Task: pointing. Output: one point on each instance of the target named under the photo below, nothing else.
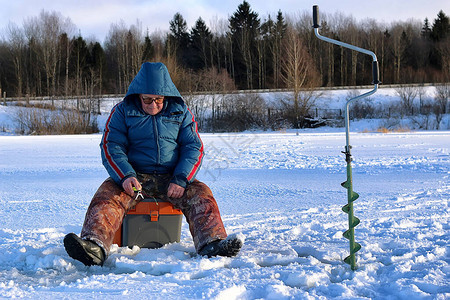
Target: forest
(45, 56)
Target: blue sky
(94, 17)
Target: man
(151, 143)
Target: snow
(280, 191)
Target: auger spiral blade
(352, 220)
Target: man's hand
(175, 191)
(128, 185)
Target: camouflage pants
(110, 204)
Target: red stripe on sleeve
(106, 150)
(199, 159)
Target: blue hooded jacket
(166, 143)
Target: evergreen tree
(423, 45)
(149, 50)
(79, 55)
(95, 63)
(272, 34)
(96, 57)
(244, 31)
(441, 38)
(4, 69)
(426, 29)
(278, 33)
(178, 40)
(200, 45)
(408, 54)
(266, 53)
(441, 27)
(33, 80)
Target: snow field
(280, 191)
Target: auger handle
(375, 72)
(316, 16)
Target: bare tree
(50, 26)
(218, 29)
(17, 43)
(397, 49)
(443, 96)
(341, 24)
(217, 84)
(298, 73)
(351, 34)
(66, 49)
(135, 44)
(127, 47)
(34, 76)
(157, 38)
(402, 35)
(373, 37)
(322, 53)
(407, 96)
(441, 101)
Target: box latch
(154, 215)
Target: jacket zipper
(155, 131)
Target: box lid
(147, 206)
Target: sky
(93, 18)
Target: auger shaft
(351, 195)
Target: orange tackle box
(150, 224)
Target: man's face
(152, 104)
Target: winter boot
(88, 252)
(229, 247)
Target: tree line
(46, 57)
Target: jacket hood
(153, 78)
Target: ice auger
(351, 195)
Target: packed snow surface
(280, 191)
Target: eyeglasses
(149, 100)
